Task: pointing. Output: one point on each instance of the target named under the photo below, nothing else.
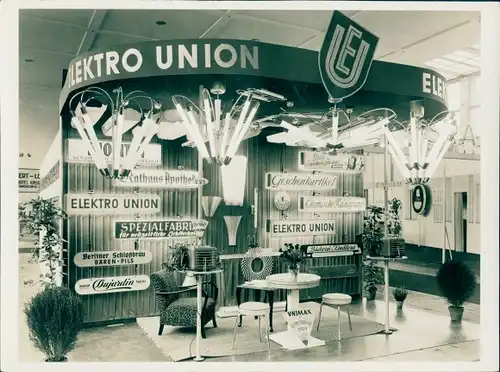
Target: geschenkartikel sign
(77, 152)
(78, 204)
(314, 160)
(300, 228)
(112, 258)
(165, 179)
(159, 229)
(112, 284)
(300, 181)
(334, 204)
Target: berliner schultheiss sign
(112, 258)
(164, 179)
(109, 204)
(300, 181)
(89, 286)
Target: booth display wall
(264, 157)
(98, 231)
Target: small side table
(269, 291)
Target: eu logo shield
(346, 56)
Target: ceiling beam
(448, 155)
(93, 28)
(221, 22)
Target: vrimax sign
(346, 56)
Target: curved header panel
(236, 57)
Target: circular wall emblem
(421, 199)
(282, 201)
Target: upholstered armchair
(180, 311)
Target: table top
(288, 281)
(261, 285)
(201, 272)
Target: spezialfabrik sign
(346, 56)
(300, 228)
(315, 160)
(300, 181)
(164, 179)
(334, 204)
(110, 204)
(113, 284)
(112, 258)
(76, 152)
(160, 229)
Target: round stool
(256, 309)
(336, 299)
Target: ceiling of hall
(49, 39)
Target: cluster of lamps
(143, 130)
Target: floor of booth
(423, 333)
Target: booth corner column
(387, 329)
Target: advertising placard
(162, 178)
(160, 229)
(112, 284)
(112, 258)
(300, 181)
(300, 322)
(29, 180)
(315, 160)
(76, 152)
(326, 249)
(334, 204)
(110, 204)
(300, 228)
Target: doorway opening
(460, 217)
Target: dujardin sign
(112, 258)
(113, 284)
(160, 229)
(162, 178)
(300, 181)
(110, 204)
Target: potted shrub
(372, 276)
(457, 283)
(54, 318)
(400, 296)
(373, 231)
(179, 257)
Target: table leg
(387, 330)
(257, 297)
(271, 305)
(199, 284)
(293, 300)
(238, 301)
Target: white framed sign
(282, 201)
(160, 229)
(76, 152)
(300, 322)
(314, 249)
(300, 181)
(110, 204)
(112, 284)
(29, 180)
(163, 179)
(315, 160)
(335, 204)
(112, 258)
(300, 228)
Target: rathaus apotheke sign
(152, 58)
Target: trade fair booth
(230, 149)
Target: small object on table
(386, 260)
(257, 286)
(289, 339)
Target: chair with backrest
(179, 311)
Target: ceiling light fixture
(161, 23)
(143, 132)
(209, 124)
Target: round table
(288, 339)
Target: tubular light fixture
(143, 132)
(234, 180)
(209, 124)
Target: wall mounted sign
(346, 56)
(300, 181)
(29, 180)
(315, 160)
(112, 204)
(52, 176)
(160, 229)
(334, 204)
(162, 178)
(112, 284)
(380, 185)
(76, 152)
(299, 228)
(421, 199)
(282, 201)
(112, 258)
(325, 249)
